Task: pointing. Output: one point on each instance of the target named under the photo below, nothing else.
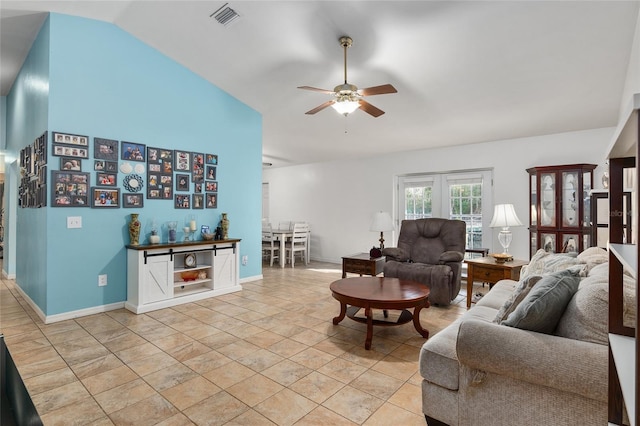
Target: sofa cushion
(544, 262)
(542, 308)
(518, 295)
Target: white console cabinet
(164, 275)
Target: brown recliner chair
(429, 251)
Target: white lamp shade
(504, 215)
(382, 222)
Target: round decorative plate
(133, 182)
(126, 168)
(139, 169)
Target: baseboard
(249, 279)
(7, 276)
(48, 319)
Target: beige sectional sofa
(480, 372)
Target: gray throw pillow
(543, 307)
(518, 295)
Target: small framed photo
(130, 200)
(197, 201)
(69, 139)
(211, 159)
(99, 165)
(105, 149)
(212, 200)
(211, 186)
(70, 151)
(133, 151)
(105, 197)
(182, 182)
(211, 172)
(197, 167)
(183, 161)
(106, 179)
(183, 201)
(70, 163)
(198, 187)
(111, 166)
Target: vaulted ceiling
(466, 72)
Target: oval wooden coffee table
(380, 293)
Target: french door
(465, 195)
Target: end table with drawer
(486, 270)
(362, 264)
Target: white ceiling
(466, 72)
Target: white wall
(632, 83)
(339, 198)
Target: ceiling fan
(347, 97)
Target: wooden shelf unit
(624, 374)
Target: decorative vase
(172, 231)
(224, 224)
(134, 229)
(154, 238)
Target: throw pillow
(546, 263)
(542, 308)
(519, 293)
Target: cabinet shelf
(623, 349)
(197, 268)
(178, 284)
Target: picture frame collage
(170, 174)
(32, 190)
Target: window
(459, 195)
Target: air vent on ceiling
(225, 15)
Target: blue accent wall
(27, 118)
(106, 83)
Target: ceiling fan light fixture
(346, 103)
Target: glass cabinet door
(533, 200)
(586, 208)
(569, 201)
(548, 199)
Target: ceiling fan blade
(370, 109)
(321, 107)
(378, 90)
(315, 89)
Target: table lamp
(504, 216)
(381, 222)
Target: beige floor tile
(260, 360)
(312, 358)
(396, 367)
(361, 356)
(377, 384)
(166, 378)
(342, 370)
(82, 412)
(152, 363)
(218, 340)
(286, 407)
(96, 366)
(188, 393)
(29, 345)
(317, 387)
(238, 349)
(99, 323)
(59, 397)
(148, 411)
(119, 339)
(353, 404)
(265, 338)
(335, 346)
(286, 372)
(101, 382)
(50, 380)
(229, 374)
(254, 390)
(250, 417)
(408, 397)
(38, 362)
(216, 410)
(124, 395)
(207, 361)
(401, 417)
(178, 419)
(287, 348)
(407, 353)
(137, 352)
(322, 416)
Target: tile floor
(266, 355)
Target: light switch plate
(74, 221)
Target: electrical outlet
(245, 260)
(74, 221)
(102, 280)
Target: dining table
(283, 235)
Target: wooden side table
(486, 270)
(362, 264)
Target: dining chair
(285, 225)
(298, 243)
(270, 245)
